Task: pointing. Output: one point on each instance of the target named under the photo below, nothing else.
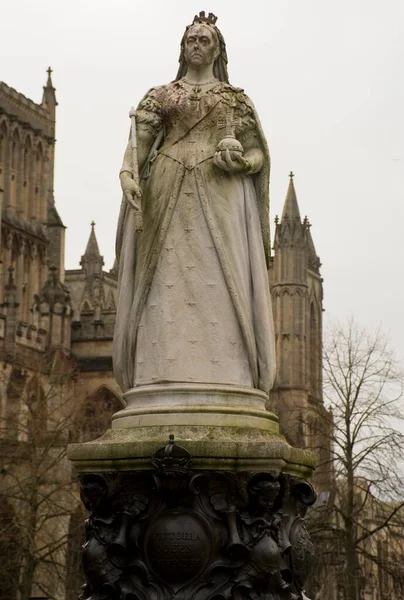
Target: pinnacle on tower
(53, 291)
(291, 207)
(92, 249)
(49, 83)
(92, 261)
(49, 96)
(289, 229)
(312, 257)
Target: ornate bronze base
(175, 533)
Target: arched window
(287, 311)
(26, 177)
(314, 351)
(13, 395)
(85, 307)
(37, 410)
(298, 312)
(26, 164)
(3, 143)
(15, 159)
(96, 413)
(39, 197)
(285, 351)
(285, 257)
(15, 147)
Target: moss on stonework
(224, 448)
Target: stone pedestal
(194, 494)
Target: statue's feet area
(224, 427)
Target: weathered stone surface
(212, 447)
(193, 295)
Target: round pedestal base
(224, 427)
(195, 405)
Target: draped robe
(193, 294)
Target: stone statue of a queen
(194, 305)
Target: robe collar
(193, 116)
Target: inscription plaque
(177, 547)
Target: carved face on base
(93, 492)
(201, 46)
(266, 493)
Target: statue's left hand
(231, 162)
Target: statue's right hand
(130, 185)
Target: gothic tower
(32, 233)
(93, 295)
(297, 294)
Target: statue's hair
(220, 66)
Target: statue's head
(202, 43)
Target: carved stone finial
(170, 445)
(291, 175)
(49, 83)
(53, 291)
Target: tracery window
(3, 143)
(314, 351)
(97, 412)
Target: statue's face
(266, 496)
(201, 46)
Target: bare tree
(358, 531)
(37, 493)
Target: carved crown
(171, 456)
(202, 18)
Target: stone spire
(92, 261)
(49, 96)
(291, 207)
(289, 231)
(297, 294)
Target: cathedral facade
(55, 321)
(42, 306)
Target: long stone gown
(194, 303)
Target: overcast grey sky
(326, 78)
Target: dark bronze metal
(175, 533)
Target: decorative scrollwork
(212, 535)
